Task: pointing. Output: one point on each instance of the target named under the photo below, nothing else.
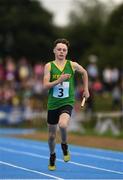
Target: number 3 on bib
(61, 90)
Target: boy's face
(60, 51)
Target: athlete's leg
(52, 137)
(63, 124)
(51, 141)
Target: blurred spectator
(97, 86)
(10, 68)
(1, 94)
(110, 77)
(92, 68)
(115, 76)
(38, 86)
(38, 70)
(2, 71)
(38, 79)
(24, 69)
(107, 78)
(116, 98)
(8, 93)
(16, 115)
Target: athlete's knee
(62, 125)
(52, 136)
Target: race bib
(61, 90)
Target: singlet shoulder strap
(70, 62)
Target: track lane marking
(29, 170)
(97, 156)
(72, 152)
(71, 162)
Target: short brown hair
(63, 41)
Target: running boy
(59, 80)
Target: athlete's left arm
(81, 70)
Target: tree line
(27, 29)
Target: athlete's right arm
(46, 81)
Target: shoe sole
(52, 168)
(67, 158)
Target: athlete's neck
(60, 62)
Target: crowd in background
(20, 88)
(109, 81)
(21, 83)
(19, 80)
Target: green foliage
(112, 38)
(86, 26)
(97, 32)
(26, 29)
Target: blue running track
(28, 159)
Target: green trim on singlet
(55, 72)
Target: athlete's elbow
(46, 86)
(85, 72)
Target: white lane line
(72, 152)
(97, 168)
(60, 160)
(103, 150)
(97, 156)
(27, 145)
(29, 170)
(24, 153)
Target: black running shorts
(53, 115)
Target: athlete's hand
(64, 77)
(86, 94)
